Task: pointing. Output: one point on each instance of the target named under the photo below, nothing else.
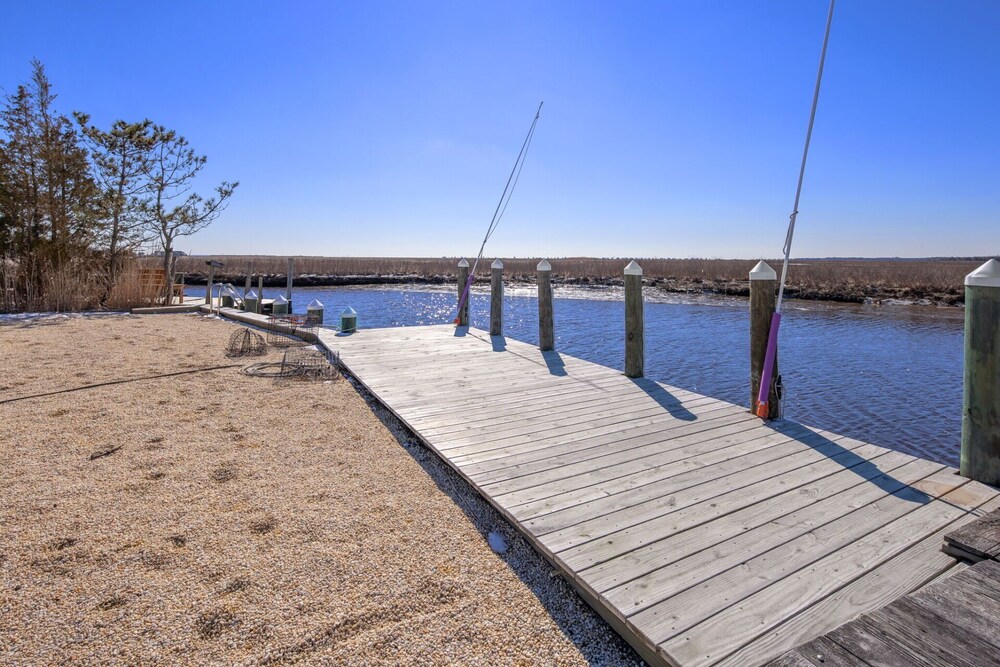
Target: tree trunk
(168, 270)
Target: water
(890, 375)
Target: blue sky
(669, 129)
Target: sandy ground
(244, 520)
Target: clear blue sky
(669, 128)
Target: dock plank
(703, 535)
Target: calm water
(890, 375)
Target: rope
(508, 191)
(114, 382)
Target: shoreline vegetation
(932, 281)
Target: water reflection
(891, 375)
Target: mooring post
(546, 333)
(496, 298)
(288, 284)
(246, 289)
(260, 294)
(763, 282)
(980, 457)
(634, 347)
(463, 279)
(208, 285)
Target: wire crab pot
(289, 337)
(246, 343)
(310, 363)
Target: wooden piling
(288, 283)
(208, 286)
(247, 287)
(634, 346)
(463, 279)
(496, 298)
(546, 325)
(980, 454)
(260, 294)
(763, 282)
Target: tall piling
(980, 454)
(496, 298)
(634, 346)
(546, 324)
(763, 283)
(463, 280)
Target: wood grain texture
(980, 455)
(701, 533)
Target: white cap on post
(464, 264)
(633, 269)
(497, 264)
(544, 265)
(987, 275)
(763, 271)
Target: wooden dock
(704, 535)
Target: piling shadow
(461, 331)
(859, 465)
(555, 362)
(574, 618)
(499, 343)
(664, 399)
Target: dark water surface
(890, 375)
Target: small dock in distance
(702, 534)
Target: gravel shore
(245, 520)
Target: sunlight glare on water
(889, 375)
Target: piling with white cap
(314, 312)
(348, 320)
(463, 298)
(280, 305)
(980, 456)
(763, 283)
(546, 324)
(634, 346)
(250, 302)
(496, 298)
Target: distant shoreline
(834, 293)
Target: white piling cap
(633, 269)
(315, 303)
(763, 271)
(349, 312)
(497, 264)
(987, 275)
(464, 264)
(280, 299)
(544, 265)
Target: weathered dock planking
(953, 621)
(702, 534)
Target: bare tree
(172, 210)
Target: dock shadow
(499, 343)
(554, 362)
(664, 399)
(461, 331)
(576, 620)
(858, 465)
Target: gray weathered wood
(288, 282)
(463, 280)
(260, 294)
(248, 286)
(634, 347)
(208, 285)
(980, 457)
(546, 324)
(496, 298)
(979, 538)
(763, 283)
